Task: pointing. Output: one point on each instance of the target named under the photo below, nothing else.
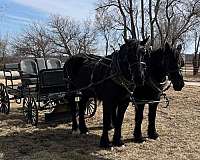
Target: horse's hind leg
(152, 134)
(118, 124)
(138, 138)
(82, 107)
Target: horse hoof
(153, 135)
(106, 146)
(118, 143)
(75, 132)
(105, 143)
(139, 139)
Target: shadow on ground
(45, 142)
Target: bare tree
(34, 42)
(70, 37)
(105, 27)
(3, 49)
(174, 19)
(123, 15)
(87, 38)
(165, 20)
(63, 31)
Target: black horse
(110, 79)
(160, 63)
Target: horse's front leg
(118, 124)
(82, 107)
(138, 138)
(73, 108)
(152, 134)
(107, 111)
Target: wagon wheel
(4, 100)
(30, 110)
(91, 107)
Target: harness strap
(120, 79)
(157, 89)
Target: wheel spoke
(91, 106)
(4, 100)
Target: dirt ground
(178, 126)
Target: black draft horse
(109, 79)
(160, 63)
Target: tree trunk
(195, 64)
(151, 23)
(196, 59)
(124, 19)
(142, 14)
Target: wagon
(42, 88)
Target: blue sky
(16, 14)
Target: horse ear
(144, 41)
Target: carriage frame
(42, 88)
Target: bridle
(175, 69)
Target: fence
(187, 72)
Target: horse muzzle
(178, 86)
(177, 80)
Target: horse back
(78, 69)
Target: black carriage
(42, 88)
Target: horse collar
(120, 79)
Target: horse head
(173, 63)
(132, 53)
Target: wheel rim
(4, 100)
(30, 110)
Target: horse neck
(156, 67)
(119, 64)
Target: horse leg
(104, 142)
(152, 134)
(73, 108)
(82, 107)
(138, 138)
(113, 118)
(118, 124)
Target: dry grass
(178, 127)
